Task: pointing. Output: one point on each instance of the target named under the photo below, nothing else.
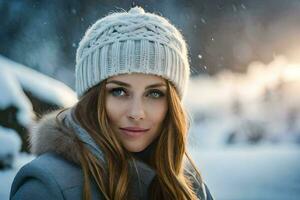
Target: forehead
(134, 78)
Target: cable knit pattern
(128, 42)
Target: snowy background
(15, 79)
(245, 133)
(244, 136)
(243, 99)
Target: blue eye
(156, 94)
(117, 92)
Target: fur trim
(47, 135)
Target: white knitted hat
(127, 42)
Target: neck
(146, 154)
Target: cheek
(158, 111)
(113, 109)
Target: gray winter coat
(56, 175)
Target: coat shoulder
(33, 189)
(60, 177)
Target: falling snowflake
(74, 11)
(234, 8)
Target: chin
(135, 149)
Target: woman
(126, 137)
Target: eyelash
(160, 93)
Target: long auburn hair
(113, 177)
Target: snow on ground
(266, 172)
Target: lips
(133, 131)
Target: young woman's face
(136, 105)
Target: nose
(136, 110)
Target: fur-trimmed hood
(47, 135)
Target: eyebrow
(127, 85)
